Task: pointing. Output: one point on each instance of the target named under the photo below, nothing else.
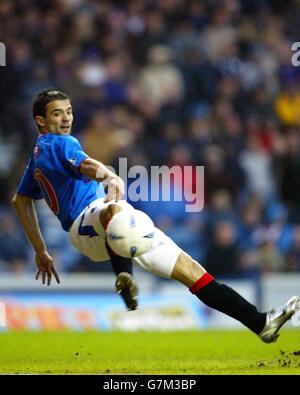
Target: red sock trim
(204, 280)
(113, 252)
(106, 223)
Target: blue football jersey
(53, 174)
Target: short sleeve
(71, 156)
(28, 186)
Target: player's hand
(44, 263)
(115, 190)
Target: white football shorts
(88, 236)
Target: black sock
(118, 263)
(223, 298)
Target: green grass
(148, 353)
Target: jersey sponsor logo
(47, 191)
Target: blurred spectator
(186, 41)
(269, 259)
(116, 82)
(220, 210)
(293, 254)
(287, 165)
(220, 174)
(256, 164)
(161, 81)
(199, 130)
(13, 245)
(251, 225)
(287, 105)
(222, 259)
(189, 234)
(113, 138)
(219, 33)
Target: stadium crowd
(165, 82)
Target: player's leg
(215, 295)
(87, 235)
(181, 267)
(119, 264)
(126, 285)
(166, 259)
(225, 299)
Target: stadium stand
(168, 82)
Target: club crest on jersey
(72, 161)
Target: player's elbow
(14, 200)
(19, 199)
(88, 168)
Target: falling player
(67, 178)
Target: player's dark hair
(43, 98)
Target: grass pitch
(149, 353)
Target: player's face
(59, 117)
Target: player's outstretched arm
(97, 171)
(25, 209)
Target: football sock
(118, 263)
(224, 299)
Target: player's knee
(108, 212)
(187, 270)
(113, 209)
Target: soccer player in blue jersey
(53, 174)
(67, 178)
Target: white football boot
(278, 317)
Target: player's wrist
(108, 178)
(116, 187)
(40, 249)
